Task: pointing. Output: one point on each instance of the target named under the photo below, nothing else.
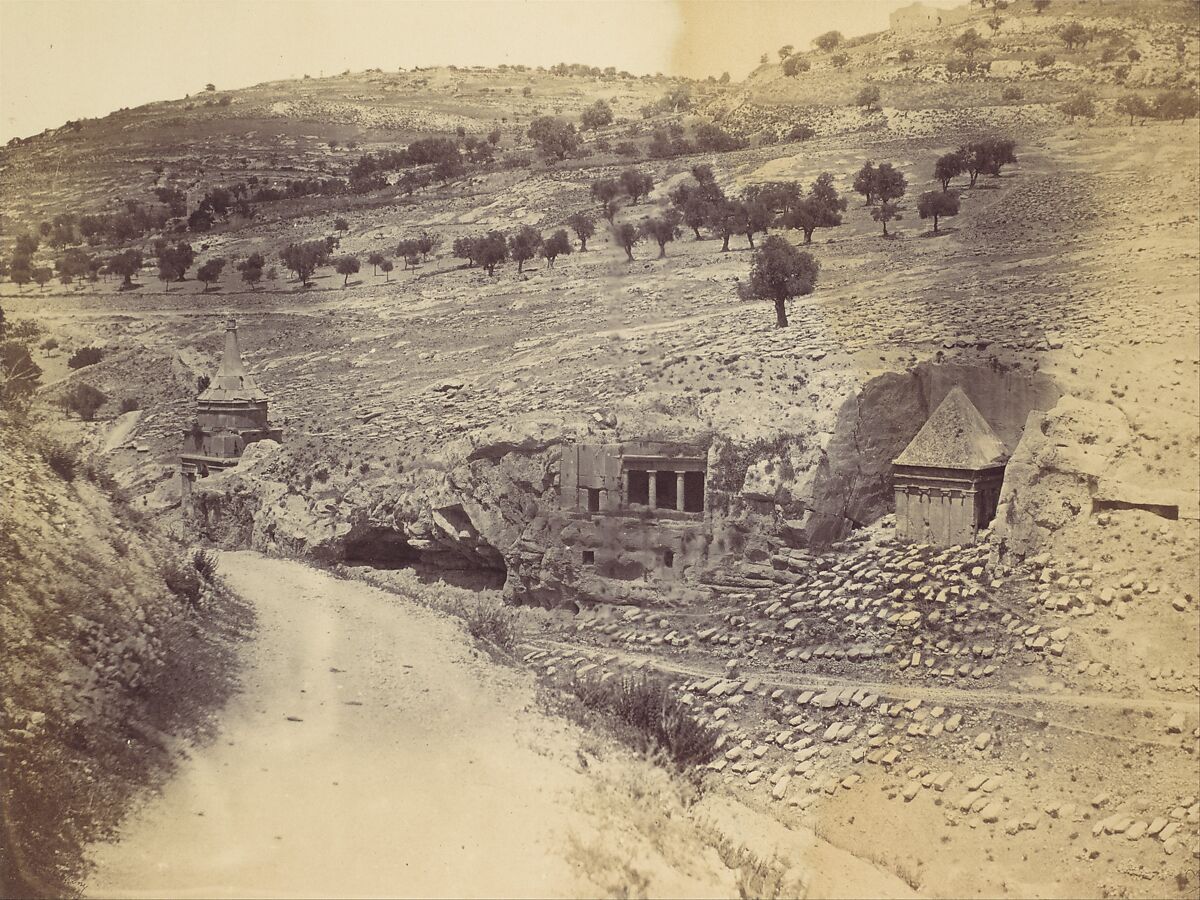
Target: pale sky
(70, 59)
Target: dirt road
(373, 751)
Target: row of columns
(653, 491)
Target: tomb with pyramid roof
(231, 414)
(947, 480)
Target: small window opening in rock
(639, 487)
(669, 559)
(589, 557)
(593, 499)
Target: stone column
(679, 491)
(653, 498)
(625, 488)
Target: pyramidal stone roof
(232, 382)
(956, 436)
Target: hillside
(428, 410)
(111, 657)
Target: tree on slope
(1082, 104)
(210, 272)
(948, 166)
(375, 258)
(868, 98)
(627, 236)
(606, 191)
(490, 250)
(304, 258)
(558, 244)
(780, 272)
(865, 181)
(885, 212)
(795, 65)
(596, 116)
(937, 204)
(1134, 106)
(127, 263)
(252, 269)
(821, 208)
(728, 217)
(583, 226)
(554, 137)
(524, 245)
(890, 183)
(828, 41)
(346, 266)
(662, 230)
(636, 184)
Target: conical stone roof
(956, 436)
(232, 382)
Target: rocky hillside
(113, 649)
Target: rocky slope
(104, 658)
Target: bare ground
(373, 751)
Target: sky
(71, 59)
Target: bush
(183, 581)
(488, 620)
(205, 564)
(49, 344)
(85, 356)
(63, 460)
(129, 404)
(625, 148)
(657, 715)
(801, 132)
(1044, 60)
(1012, 93)
(83, 400)
(906, 55)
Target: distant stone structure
(947, 480)
(231, 414)
(919, 17)
(635, 511)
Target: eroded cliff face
(1080, 463)
(843, 480)
(490, 505)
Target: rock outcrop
(1075, 461)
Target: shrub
(625, 148)
(129, 404)
(205, 564)
(83, 400)
(85, 356)
(661, 720)
(49, 344)
(801, 132)
(488, 619)
(1012, 93)
(1044, 60)
(906, 55)
(183, 581)
(63, 460)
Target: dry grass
(653, 716)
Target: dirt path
(966, 696)
(373, 751)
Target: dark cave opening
(472, 567)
